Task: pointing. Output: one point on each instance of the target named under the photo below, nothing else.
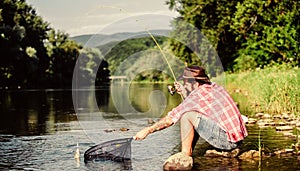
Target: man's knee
(192, 117)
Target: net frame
(118, 150)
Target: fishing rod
(170, 87)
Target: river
(40, 130)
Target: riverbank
(273, 90)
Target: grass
(273, 90)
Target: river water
(40, 130)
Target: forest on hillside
(245, 34)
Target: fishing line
(145, 28)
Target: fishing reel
(171, 89)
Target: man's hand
(161, 124)
(142, 134)
(180, 89)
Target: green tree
(213, 19)
(245, 33)
(269, 32)
(22, 32)
(63, 54)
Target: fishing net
(118, 150)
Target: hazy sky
(77, 17)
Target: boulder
(178, 161)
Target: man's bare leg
(187, 124)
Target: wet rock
(284, 152)
(230, 154)
(124, 129)
(251, 154)
(109, 130)
(213, 153)
(178, 161)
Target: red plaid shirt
(214, 102)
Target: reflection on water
(39, 130)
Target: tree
(269, 32)
(245, 33)
(21, 32)
(63, 54)
(213, 19)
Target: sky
(78, 17)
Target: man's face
(189, 85)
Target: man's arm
(161, 124)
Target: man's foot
(178, 161)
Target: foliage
(125, 51)
(241, 31)
(21, 31)
(213, 19)
(93, 69)
(34, 55)
(269, 32)
(274, 90)
(63, 52)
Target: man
(207, 109)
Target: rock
(109, 130)
(293, 123)
(227, 154)
(288, 134)
(178, 161)
(212, 153)
(284, 152)
(281, 124)
(124, 129)
(285, 116)
(272, 124)
(259, 115)
(252, 121)
(251, 154)
(277, 116)
(284, 128)
(266, 116)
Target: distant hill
(96, 40)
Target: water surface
(39, 130)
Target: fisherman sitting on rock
(209, 110)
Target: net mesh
(115, 150)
